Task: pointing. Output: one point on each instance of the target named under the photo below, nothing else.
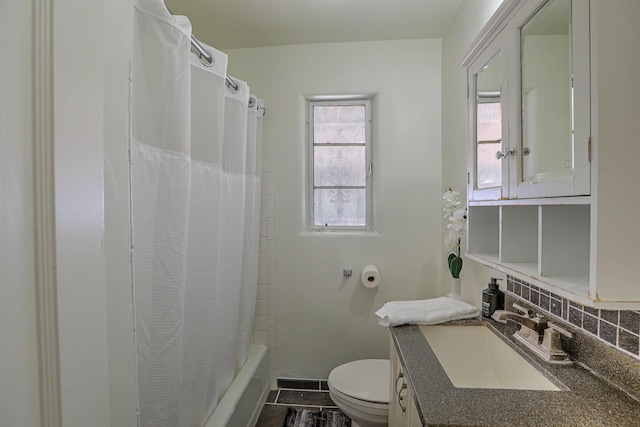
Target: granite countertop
(588, 400)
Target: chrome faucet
(536, 333)
(535, 324)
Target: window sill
(338, 233)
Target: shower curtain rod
(207, 59)
(204, 55)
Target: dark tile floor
(294, 393)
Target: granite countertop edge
(584, 398)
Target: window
(489, 122)
(340, 164)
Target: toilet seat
(362, 380)
(363, 406)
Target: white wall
(123, 392)
(469, 20)
(324, 319)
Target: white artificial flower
(450, 202)
(456, 227)
(458, 220)
(450, 194)
(451, 241)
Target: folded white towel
(425, 312)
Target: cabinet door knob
(505, 153)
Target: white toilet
(361, 390)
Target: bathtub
(241, 404)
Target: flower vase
(455, 289)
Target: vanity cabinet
(402, 409)
(559, 204)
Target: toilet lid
(363, 379)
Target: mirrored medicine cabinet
(529, 114)
(546, 94)
(543, 79)
(489, 124)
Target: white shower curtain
(195, 155)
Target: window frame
(368, 164)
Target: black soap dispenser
(492, 298)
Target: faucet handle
(523, 310)
(542, 322)
(552, 344)
(540, 318)
(560, 329)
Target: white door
(53, 345)
(19, 400)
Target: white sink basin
(475, 357)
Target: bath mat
(298, 417)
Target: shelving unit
(564, 241)
(519, 235)
(548, 245)
(485, 239)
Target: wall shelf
(575, 288)
(546, 245)
(577, 200)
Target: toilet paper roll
(370, 276)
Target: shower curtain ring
(206, 61)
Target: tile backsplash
(619, 328)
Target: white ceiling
(229, 24)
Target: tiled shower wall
(264, 325)
(619, 328)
